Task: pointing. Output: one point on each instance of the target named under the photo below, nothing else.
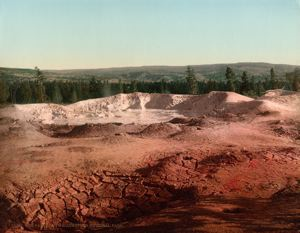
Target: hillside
(153, 73)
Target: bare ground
(214, 163)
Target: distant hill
(153, 73)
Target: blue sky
(58, 34)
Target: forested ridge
(39, 89)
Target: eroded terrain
(214, 163)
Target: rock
(11, 196)
(38, 193)
(135, 190)
(58, 210)
(38, 222)
(105, 202)
(100, 203)
(94, 180)
(189, 164)
(110, 212)
(62, 190)
(44, 207)
(269, 156)
(84, 211)
(82, 188)
(72, 191)
(82, 197)
(108, 173)
(32, 206)
(107, 179)
(71, 202)
(118, 204)
(108, 191)
(42, 212)
(244, 149)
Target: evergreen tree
(230, 77)
(120, 86)
(78, 89)
(201, 87)
(211, 85)
(245, 86)
(133, 86)
(106, 89)
(163, 86)
(65, 91)
(84, 90)
(24, 93)
(74, 97)
(56, 94)
(191, 81)
(93, 88)
(252, 85)
(272, 79)
(4, 91)
(40, 89)
(296, 80)
(142, 86)
(259, 88)
(13, 89)
(72, 91)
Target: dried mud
(230, 172)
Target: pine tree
(245, 86)
(259, 88)
(74, 97)
(120, 86)
(40, 89)
(93, 88)
(13, 89)
(56, 94)
(211, 85)
(201, 87)
(106, 89)
(133, 86)
(84, 86)
(296, 80)
(24, 94)
(272, 80)
(78, 89)
(230, 76)
(191, 81)
(163, 86)
(65, 90)
(4, 91)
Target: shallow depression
(139, 116)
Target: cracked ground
(197, 174)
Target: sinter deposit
(146, 108)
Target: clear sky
(108, 33)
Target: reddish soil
(230, 172)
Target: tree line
(40, 90)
